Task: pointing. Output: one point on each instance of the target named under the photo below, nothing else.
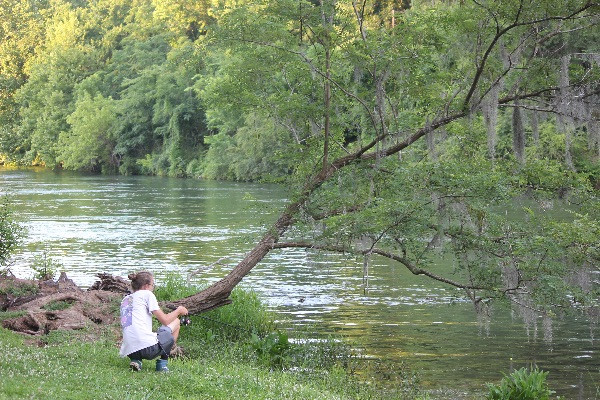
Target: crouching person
(139, 342)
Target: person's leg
(161, 364)
(166, 338)
(135, 361)
(175, 326)
(148, 353)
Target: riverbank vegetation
(233, 352)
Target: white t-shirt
(136, 321)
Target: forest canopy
(404, 130)
(164, 87)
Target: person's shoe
(135, 365)
(161, 365)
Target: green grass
(21, 290)
(58, 305)
(11, 314)
(95, 371)
(221, 362)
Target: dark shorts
(162, 348)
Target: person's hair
(140, 279)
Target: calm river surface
(95, 224)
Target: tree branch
(403, 260)
(502, 32)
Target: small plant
(274, 349)
(5, 272)
(523, 384)
(58, 305)
(45, 267)
(21, 289)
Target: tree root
(60, 305)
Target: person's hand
(182, 310)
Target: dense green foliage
(104, 89)
(232, 91)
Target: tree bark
(217, 295)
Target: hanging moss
(535, 129)
(490, 116)
(518, 134)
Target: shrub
(523, 384)
(274, 350)
(10, 232)
(173, 287)
(246, 314)
(45, 267)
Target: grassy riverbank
(235, 352)
(94, 371)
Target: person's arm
(166, 319)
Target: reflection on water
(95, 224)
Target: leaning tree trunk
(217, 295)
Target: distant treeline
(157, 87)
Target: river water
(117, 224)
